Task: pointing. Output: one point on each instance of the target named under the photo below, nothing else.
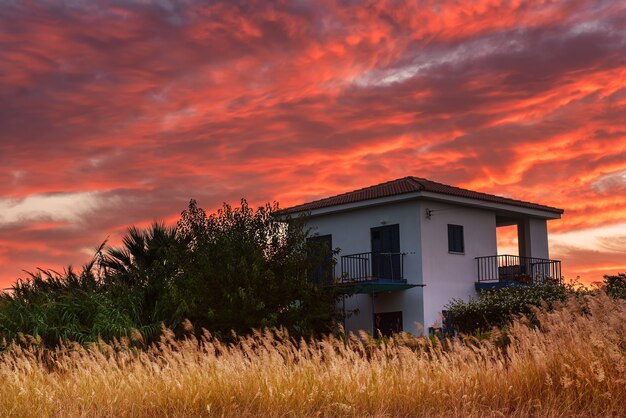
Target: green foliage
(235, 270)
(246, 270)
(498, 307)
(140, 274)
(66, 306)
(615, 286)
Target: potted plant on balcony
(524, 278)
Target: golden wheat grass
(573, 364)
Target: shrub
(497, 307)
(56, 307)
(615, 286)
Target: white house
(409, 246)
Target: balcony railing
(372, 266)
(513, 268)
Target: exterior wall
(450, 275)
(533, 238)
(351, 234)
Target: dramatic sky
(117, 113)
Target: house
(409, 246)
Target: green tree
(249, 269)
(140, 275)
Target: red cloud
(151, 106)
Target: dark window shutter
(455, 239)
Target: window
(455, 239)
(388, 323)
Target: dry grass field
(572, 365)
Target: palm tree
(144, 253)
(141, 273)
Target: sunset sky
(117, 113)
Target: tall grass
(573, 364)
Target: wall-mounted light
(430, 212)
(383, 221)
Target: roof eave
(539, 211)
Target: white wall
(533, 238)
(448, 275)
(351, 233)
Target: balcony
(511, 270)
(373, 266)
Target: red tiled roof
(410, 185)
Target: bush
(56, 307)
(498, 307)
(615, 286)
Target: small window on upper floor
(455, 239)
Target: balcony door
(386, 252)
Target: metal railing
(513, 268)
(372, 266)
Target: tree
(249, 269)
(140, 274)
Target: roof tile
(409, 185)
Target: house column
(532, 237)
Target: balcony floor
(498, 285)
(374, 286)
